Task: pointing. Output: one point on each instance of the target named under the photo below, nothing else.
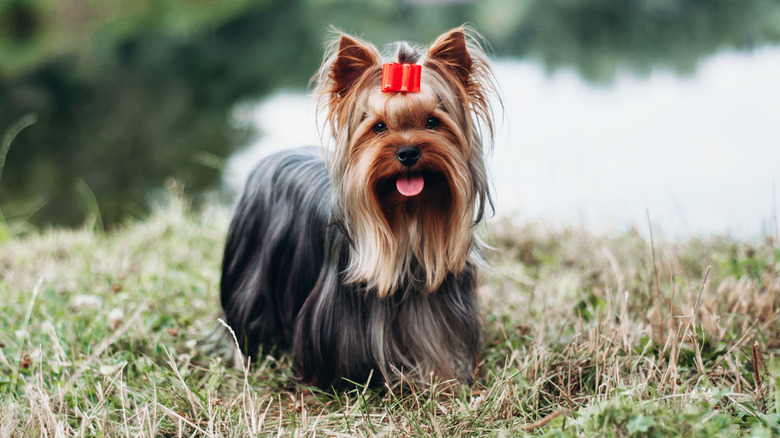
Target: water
(700, 154)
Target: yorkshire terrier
(361, 257)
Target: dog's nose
(408, 155)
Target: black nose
(408, 155)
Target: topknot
(405, 53)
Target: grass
(586, 336)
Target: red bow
(401, 77)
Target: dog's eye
(432, 122)
(379, 127)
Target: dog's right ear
(352, 60)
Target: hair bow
(401, 77)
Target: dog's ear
(450, 52)
(352, 60)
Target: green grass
(586, 336)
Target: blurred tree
(124, 121)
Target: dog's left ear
(450, 52)
(352, 60)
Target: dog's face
(408, 169)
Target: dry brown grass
(586, 336)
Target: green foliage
(774, 378)
(590, 307)
(596, 36)
(34, 32)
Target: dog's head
(407, 167)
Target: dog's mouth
(410, 185)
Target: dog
(360, 258)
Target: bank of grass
(586, 336)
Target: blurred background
(613, 111)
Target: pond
(613, 110)
(699, 154)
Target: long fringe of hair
(385, 252)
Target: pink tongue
(410, 185)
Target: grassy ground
(587, 336)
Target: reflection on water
(700, 153)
